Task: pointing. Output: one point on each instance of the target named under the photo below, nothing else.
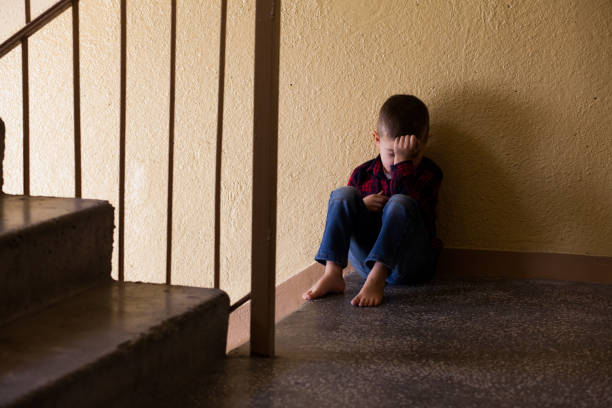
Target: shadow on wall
(502, 187)
(477, 142)
(480, 206)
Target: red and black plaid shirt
(422, 184)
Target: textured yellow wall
(519, 94)
(520, 100)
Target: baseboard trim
(288, 299)
(456, 262)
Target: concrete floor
(451, 343)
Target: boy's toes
(364, 301)
(307, 295)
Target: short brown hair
(403, 115)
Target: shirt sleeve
(354, 179)
(422, 187)
(403, 179)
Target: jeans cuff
(323, 258)
(372, 259)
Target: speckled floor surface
(487, 343)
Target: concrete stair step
(112, 345)
(51, 248)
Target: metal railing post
(76, 77)
(171, 143)
(2, 132)
(121, 221)
(219, 154)
(25, 99)
(265, 157)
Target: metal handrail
(240, 302)
(31, 28)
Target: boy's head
(400, 115)
(403, 115)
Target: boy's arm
(423, 188)
(373, 201)
(408, 151)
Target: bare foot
(330, 282)
(371, 292)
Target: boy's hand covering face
(375, 202)
(407, 147)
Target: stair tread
(45, 346)
(23, 212)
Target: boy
(385, 218)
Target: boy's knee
(404, 201)
(347, 193)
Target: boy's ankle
(379, 272)
(333, 269)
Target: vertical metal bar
(76, 76)
(265, 154)
(171, 143)
(2, 132)
(220, 104)
(25, 84)
(121, 225)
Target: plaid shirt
(422, 184)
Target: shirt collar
(377, 168)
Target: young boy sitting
(385, 218)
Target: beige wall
(520, 100)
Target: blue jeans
(400, 240)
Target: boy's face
(385, 148)
(385, 145)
